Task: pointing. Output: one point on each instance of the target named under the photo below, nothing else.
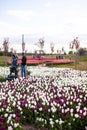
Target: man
(23, 65)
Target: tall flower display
(75, 44)
(52, 47)
(5, 49)
(23, 43)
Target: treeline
(2, 53)
(81, 51)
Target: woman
(14, 65)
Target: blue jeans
(23, 70)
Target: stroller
(13, 73)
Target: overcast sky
(58, 21)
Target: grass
(2, 79)
(81, 64)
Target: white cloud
(23, 14)
(58, 21)
(48, 4)
(7, 29)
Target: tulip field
(51, 98)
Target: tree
(82, 51)
(70, 52)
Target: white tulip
(10, 128)
(76, 115)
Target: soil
(32, 127)
(28, 127)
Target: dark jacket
(15, 61)
(24, 60)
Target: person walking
(23, 65)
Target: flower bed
(55, 98)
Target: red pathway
(36, 61)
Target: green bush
(2, 79)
